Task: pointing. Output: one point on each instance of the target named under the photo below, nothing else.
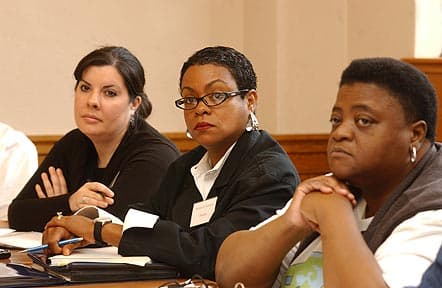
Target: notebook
(107, 254)
(10, 238)
(86, 270)
(16, 275)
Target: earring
(132, 120)
(188, 134)
(413, 154)
(252, 123)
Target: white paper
(21, 240)
(4, 231)
(203, 211)
(100, 255)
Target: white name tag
(202, 211)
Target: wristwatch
(98, 226)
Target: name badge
(202, 211)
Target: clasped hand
(90, 194)
(315, 195)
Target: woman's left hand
(66, 227)
(54, 184)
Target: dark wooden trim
(308, 152)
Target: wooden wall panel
(44, 143)
(432, 67)
(308, 152)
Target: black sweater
(140, 160)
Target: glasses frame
(203, 98)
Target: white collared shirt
(204, 175)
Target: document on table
(98, 255)
(10, 238)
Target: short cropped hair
(403, 81)
(127, 65)
(237, 64)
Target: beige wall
(298, 49)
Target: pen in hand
(44, 246)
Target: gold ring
(59, 215)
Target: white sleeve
(278, 213)
(410, 249)
(18, 162)
(137, 218)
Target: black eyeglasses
(211, 99)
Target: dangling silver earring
(252, 123)
(188, 134)
(132, 120)
(413, 154)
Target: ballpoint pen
(60, 243)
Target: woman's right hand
(54, 184)
(91, 194)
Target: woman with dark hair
(114, 157)
(237, 177)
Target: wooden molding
(308, 152)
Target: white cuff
(137, 218)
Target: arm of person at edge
(66, 227)
(27, 212)
(258, 261)
(341, 244)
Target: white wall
(428, 40)
(298, 49)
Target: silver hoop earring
(413, 154)
(252, 123)
(188, 135)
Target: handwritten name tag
(202, 211)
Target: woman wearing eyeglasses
(237, 177)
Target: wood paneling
(432, 67)
(308, 152)
(44, 143)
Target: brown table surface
(23, 258)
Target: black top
(140, 160)
(257, 178)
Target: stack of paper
(98, 255)
(10, 238)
